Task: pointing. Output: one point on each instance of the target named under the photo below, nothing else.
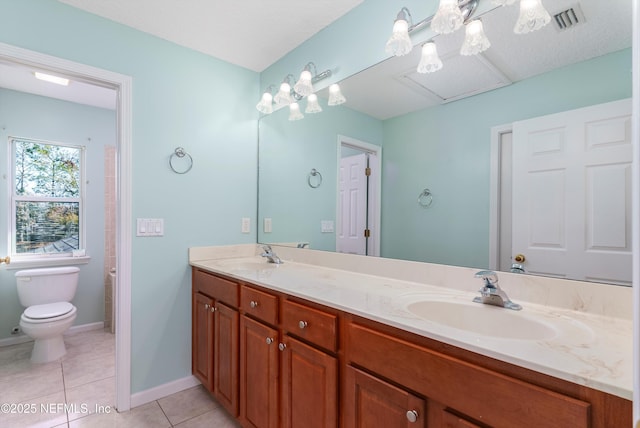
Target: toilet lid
(48, 310)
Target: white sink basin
(483, 319)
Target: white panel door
(353, 205)
(572, 193)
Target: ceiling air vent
(568, 18)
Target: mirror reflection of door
(358, 203)
(570, 213)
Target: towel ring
(314, 173)
(180, 153)
(425, 199)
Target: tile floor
(78, 391)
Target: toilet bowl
(46, 294)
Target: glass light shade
(266, 103)
(503, 2)
(294, 112)
(312, 104)
(475, 41)
(283, 97)
(304, 87)
(335, 96)
(533, 16)
(448, 18)
(429, 61)
(399, 43)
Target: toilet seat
(48, 312)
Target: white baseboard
(161, 391)
(23, 338)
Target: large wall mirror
(434, 173)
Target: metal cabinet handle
(282, 346)
(253, 304)
(302, 324)
(412, 416)
(213, 309)
(269, 340)
(207, 306)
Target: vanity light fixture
(294, 112)
(475, 41)
(399, 43)
(335, 95)
(533, 16)
(429, 61)
(51, 78)
(313, 106)
(290, 92)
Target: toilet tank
(47, 285)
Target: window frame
(14, 199)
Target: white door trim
(635, 141)
(494, 193)
(122, 84)
(376, 151)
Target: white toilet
(46, 294)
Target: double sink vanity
(328, 340)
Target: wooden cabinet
(215, 352)
(259, 374)
(309, 378)
(275, 360)
(202, 339)
(372, 402)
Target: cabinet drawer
(216, 287)
(260, 304)
(314, 325)
(464, 386)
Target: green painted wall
(180, 98)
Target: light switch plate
(326, 226)
(267, 225)
(150, 227)
(246, 225)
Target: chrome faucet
(491, 293)
(270, 255)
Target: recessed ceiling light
(50, 78)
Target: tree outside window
(46, 197)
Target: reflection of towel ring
(180, 153)
(425, 199)
(318, 181)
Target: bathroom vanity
(304, 345)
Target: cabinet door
(370, 402)
(202, 334)
(226, 377)
(309, 387)
(258, 374)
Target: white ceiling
(250, 33)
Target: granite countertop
(584, 348)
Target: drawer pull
(253, 304)
(269, 340)
(213, 309)
(412, 416)
(282, 346)
(206, 306)
(302, 324)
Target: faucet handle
(490, 277)
(267, 248)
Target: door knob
(282, 346)
(302, 324)
(269, 341)
(519, 258)
(253, 304)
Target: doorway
(122, 85)
(358, 197)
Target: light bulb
(266, 103)
(533, 16)
(283, 97)
(304, 87)
(399, 43)
(448, 18)
(294, 112)
(312, 104)
(475, 41)
(335, 96)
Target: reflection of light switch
(326, 226)
(246, 225)
(267, 225)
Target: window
(46, 197)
